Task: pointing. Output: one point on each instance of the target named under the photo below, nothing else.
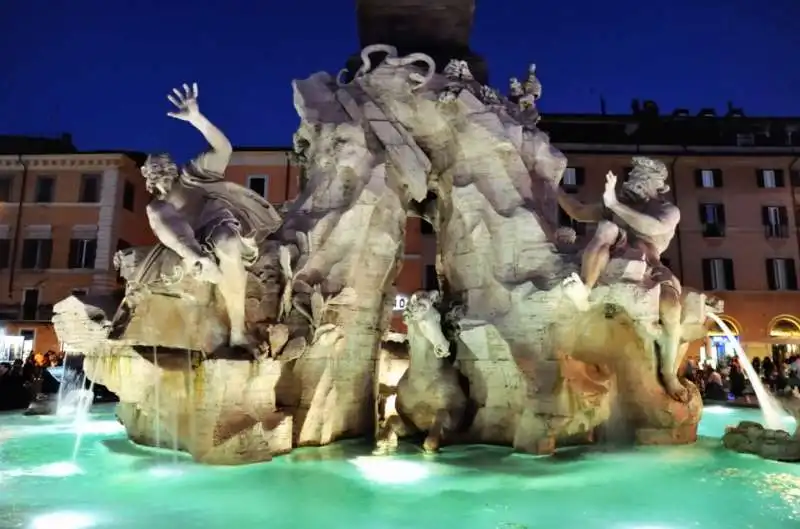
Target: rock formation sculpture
(752, 438)
(292, 355)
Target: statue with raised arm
(214, 226)
(640, 218)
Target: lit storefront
(784, 335)
(718, 347)
(13, 347)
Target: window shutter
(717, 177)
(791, 274)
(5, 252)
(580, 176)
(779, 181)
(46, 253)
(91, 253)
(701, 213)
(794, 178)
(698, 178)
(765, 215)
(74, 254)
(783, 216)
(563, 218)
(28, 253)
(730, 279)
(760, 177)
(707, 275)
(720, 214)
(772, 283)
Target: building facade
(63, 215)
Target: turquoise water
(121, 486)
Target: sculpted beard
(159, 181)
(637, 190)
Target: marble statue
(429, 397)
(644, 220)
(214, 228)
(270, 331)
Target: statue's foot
(386, 446)
(431, 444)
(675, 389)
(575, 289)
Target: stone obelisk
(439, 28)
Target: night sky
(100, 69)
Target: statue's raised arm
(215, 160)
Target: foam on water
(119, 485)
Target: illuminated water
(121, 486)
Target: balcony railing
(16, 312)
(776, 231)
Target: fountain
(250, 334)
(74, 399)
(286, 315)
(774, 413)
(771, 440)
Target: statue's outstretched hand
(610, 193)
(185, 102)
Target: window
(90, 188)
(30, 303)
(45, 187)
(259, 184)
(79, 292)
(425, 227)
(5, 188)
(794, 176)
(82, 253)
(781, 274)
(718, 274)
(36, 253)
(565, 221)
(708, 178)
(128, 196)
(5, 253)
(712, 217)
(28, 335)
(769, 178)
(776, 222)
(573, 177)
(431, 279)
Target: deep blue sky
(101, 68)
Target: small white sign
(400, 301)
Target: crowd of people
(730, 382)
(22, 381)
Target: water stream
(771, 409)
(190, 404)
(157, 398)
(83, 407)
